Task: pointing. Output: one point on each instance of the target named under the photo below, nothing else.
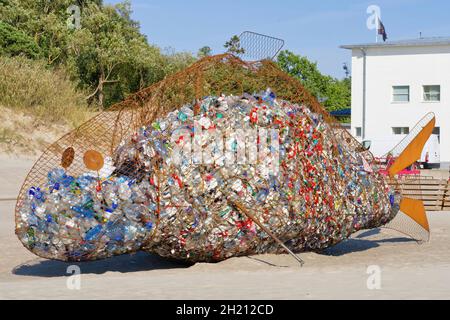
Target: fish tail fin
(415, 209)
(412, 220)
(411, 147)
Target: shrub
(14, 42)
(32, 87)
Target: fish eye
(67, 157)
(93, 160)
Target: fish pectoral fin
(412, 220)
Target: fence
(446, 200)
(435, 193)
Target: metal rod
(242, 209)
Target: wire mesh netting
(259, 47)
(207, 164)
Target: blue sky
(315, 29)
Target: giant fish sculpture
(223, 176)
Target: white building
(395, 84)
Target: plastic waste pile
(178, 186)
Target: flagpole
(376, 30)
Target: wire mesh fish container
(225, 158)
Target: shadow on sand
(360, 243)
(140, 261)
(143, 261)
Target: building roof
(420, 42)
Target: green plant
(333, 93)
(29, 86)
(14, 42)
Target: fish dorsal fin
(413, 151)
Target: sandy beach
(407, 270)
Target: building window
(432, 93)
(358, 132)
(400, 94)
(400, 130)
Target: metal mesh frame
(259, 47)
(221, 74)
(216, 75)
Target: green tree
(233, 46)
(333, 93)
(204, 52)
(44, 21)
(148, 65)
(109, 46)
(107, 57)
(14, 42)
(176, 61)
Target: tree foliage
(108, 57)
(107, 47)
(333, 93)
(233, 46)
(14, 42)
(204, 52)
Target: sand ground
(408, 270)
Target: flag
(382, 30)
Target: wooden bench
(446, 200)
(430, 191)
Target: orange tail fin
(412, 218)
(415, 210)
